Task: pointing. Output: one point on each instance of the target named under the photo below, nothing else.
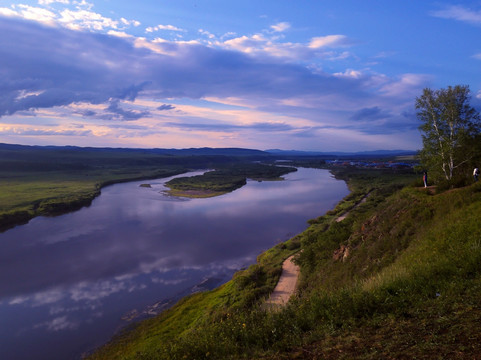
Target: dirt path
(343, 216)
(286, 286)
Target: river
(68, 283)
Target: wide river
(68, 283)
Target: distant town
(372, 164)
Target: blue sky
(318, 75)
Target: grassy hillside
(399, 278)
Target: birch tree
(448, 127)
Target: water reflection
(70, 280)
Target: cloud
(84, 67)
(225, 127)
(349, 73)
(43, 132)
(60, 324)
(8, 12)
(329, 41)
(118, 78)
(281, 27)
(407, 85)
(373, 113)
(261, 46)
(460, 13)
(48, 2)
(79, 18)
(165, 107)
(37, 14)
(163, 27)
(206, 33)
(115, 111)
(85, 19)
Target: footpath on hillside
(286, 287)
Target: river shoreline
(63, 206)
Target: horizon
(381, 151)
(323, 77)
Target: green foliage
(448, 126)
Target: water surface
(68, 283)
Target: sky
(325, 75)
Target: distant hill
(374, 153)
(190, 151)
(208, 151)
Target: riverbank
(52, 180)
(133, 233)
(407, 285)
(52, 194)
(236, 304)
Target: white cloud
(349, 73)
(407, 84)
(121, 34)
(261, 45)
(35, 131)
(48, 2)
(460, 13)
(477, 56)
(84, 4)
(41, 15)
(8, 12)
(84, 19)
(130, 22)
(206, 33)
(328, 41)
(80, 18)
(281, 27)
(163, 27)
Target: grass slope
(399, 278)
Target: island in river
(225, 179)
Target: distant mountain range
(374, 153)
(216, 151)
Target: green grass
(408, 288)
(24, 195)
